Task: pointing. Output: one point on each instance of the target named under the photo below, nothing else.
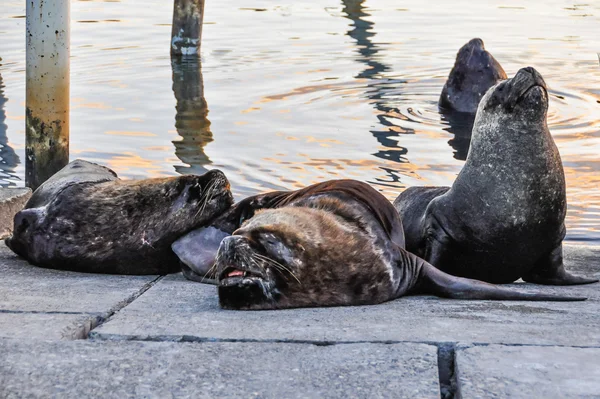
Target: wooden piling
(186, 33)
(47, 89)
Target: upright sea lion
(504, 216)
(86, 219)
(330, 244)
(475, 71)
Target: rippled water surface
(292, 93)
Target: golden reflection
(129, 134)
(191, 119)
(304, 90)
(125, 162)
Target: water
(292, 93)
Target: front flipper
(436, 282)
(550, 270)
(197, 251)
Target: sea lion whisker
(278, 265)
(209, 271)
(208, 194)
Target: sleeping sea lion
(504, 216)
(86, 219)
(330, 244)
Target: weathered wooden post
(186, 33)
(191, 119)
(47, 89)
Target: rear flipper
(197, 251)
(550, 270)
(436, 282)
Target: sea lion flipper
(436, 282)
(550, 270)
(197, 250)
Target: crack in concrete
(447, 370)
(82, 331)
(44, 312)
(193, 338)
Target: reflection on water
(362, 32)
(461, 125)
(301, 92)
(8, 159)
(191, 119)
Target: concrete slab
(176, 309)
(498, 371)
(12, 200)
(24, 287)
(208, 370)
(37, 303)
(45, 326)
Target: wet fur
(120, 227)
(331, 244)
(475, 71)
(339, 256)
(503, 218)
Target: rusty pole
(47, 89)
(186, 32)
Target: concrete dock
(65, 334)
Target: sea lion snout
(475, 71)
(527, 90)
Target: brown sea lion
(86, 219)
(504, 216)
(330, 244)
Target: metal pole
(47, 89)
(186, 32)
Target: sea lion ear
(197, 251)
(436, 282)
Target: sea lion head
(522, 99)
(201, 197)
(300, 257)
(475, 71)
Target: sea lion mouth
(232, 275)
(542, 88)
(525, 81)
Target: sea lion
(84, 218)
(330, 244)
(475, 71)
(503, 218)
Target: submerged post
(186, 32)
(47, 89)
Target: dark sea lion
(86, 219)
(475, 71)
(330, 244)
(504, 216)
